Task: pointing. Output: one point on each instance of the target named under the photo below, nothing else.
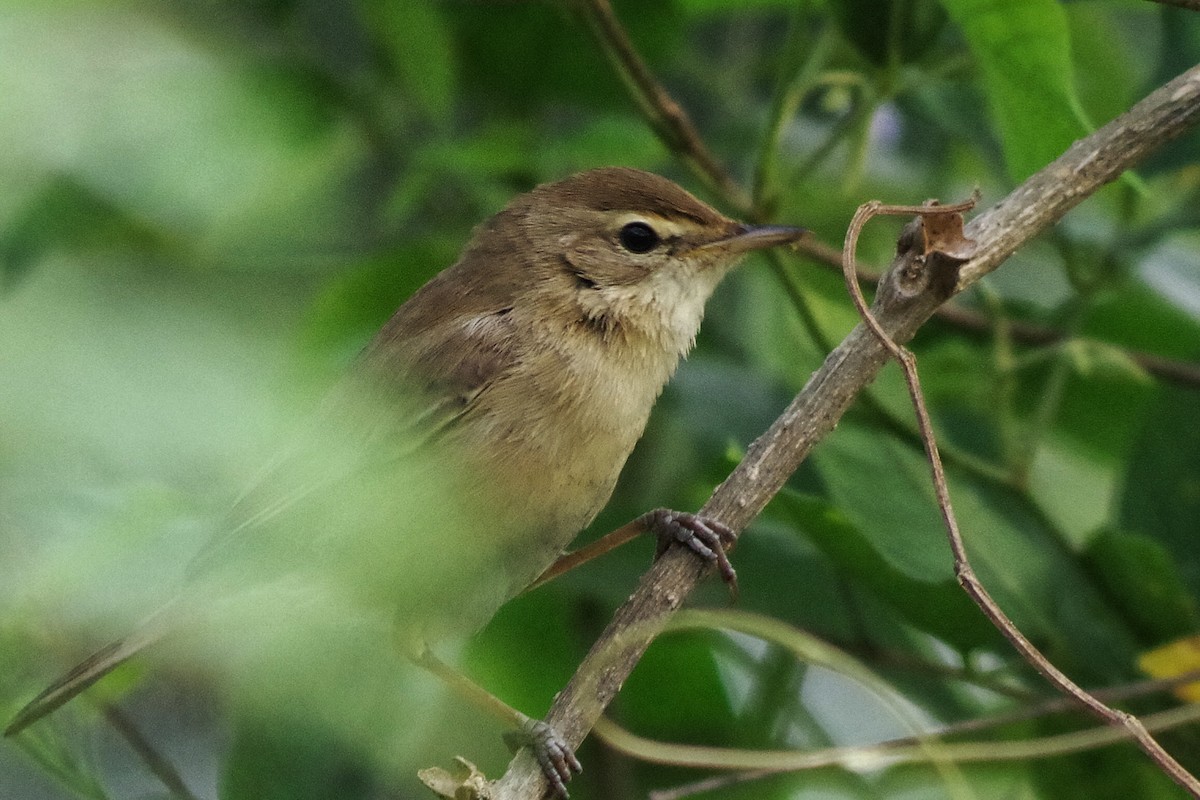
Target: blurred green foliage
(206, 208)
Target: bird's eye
(638, 237)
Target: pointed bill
(745, 238)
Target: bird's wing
(449, 368)
(85, 673)
(402, 396)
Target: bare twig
(155, 761)
(929, 216)
(643, 749)
(673, 125)
(1087, 165)
(759, 764)
(669, 120)
(802, 60)
(1181, 373)
(1190, 5)
(905, 300)
(677, 131)
(876, 756)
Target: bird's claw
(553, 754)
(705, 537)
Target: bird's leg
(609, 541)
(553, 754)
(705, 537)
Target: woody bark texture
(914, 287)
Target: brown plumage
(539, 356)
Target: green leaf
(528, 651)
(677, 692)
(419, 48)
(885, 29)
(1144, 583)
(1073, 485)
(706, 7)
(353, 305)
(293, 760)
(1024, 50)
(226, 156)
(1136, 316)
(1116, 48)
(519, 58)
(1108, 772)
(61, 214)
(936, 606)
(1161, 494)
(46, 744)
(1093, 359)
(882, 487)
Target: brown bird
(535, 361)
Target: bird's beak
(745, 238)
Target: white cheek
(682, 306)
(669, 304)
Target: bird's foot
(705, 537)
(553, 754)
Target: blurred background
(208, 206)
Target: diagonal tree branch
(908, 295)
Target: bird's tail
(79, 678)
